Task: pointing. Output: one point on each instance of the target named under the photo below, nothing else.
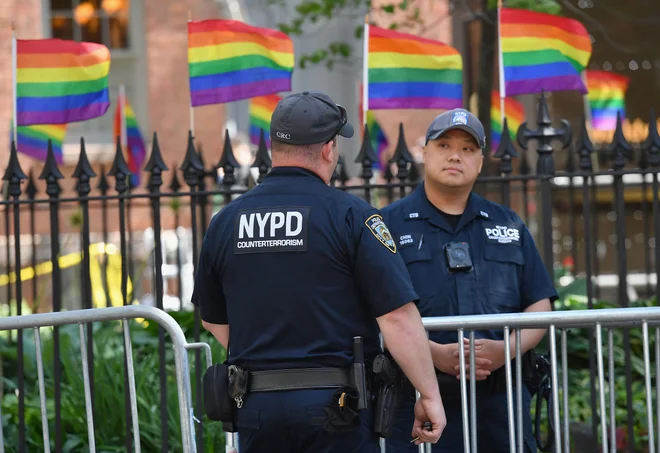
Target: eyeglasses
(343, 119)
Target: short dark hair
(311, 151)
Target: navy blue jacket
(297, 269)
(507, 276)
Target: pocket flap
(413, 254)
(504, 254)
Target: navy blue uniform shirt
(297, 269)
(507, 274)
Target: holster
(218, 404)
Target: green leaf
(388, 9)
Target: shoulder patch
(272, 229)
(379, 229)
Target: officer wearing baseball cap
(296, 278)
(467, 256)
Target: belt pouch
(218, 405)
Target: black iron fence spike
(120, 170)
(584, 147)
(505, 151)
(103, 185)
(51, 173)
(401, 156)
(620, 149)
(31, 188)
(228, 162)
(155, 166)
(191, 165)
(262, 160)
(14, 173)
(175, 185)
(83, 171)
(366, 157)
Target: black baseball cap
(307, 118)
(457, 119)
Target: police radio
(458, 256)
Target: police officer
(289, 273)
(467, 256)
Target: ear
(326, 151)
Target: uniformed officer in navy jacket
(467, 256)
(289, 273)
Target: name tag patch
(379, 229)
(500, 234)
(405, 239)
(263, 230)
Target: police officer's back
(467, 256)
(289, 274)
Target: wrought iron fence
(595, 227)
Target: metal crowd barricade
(600, 319)
(123, 314)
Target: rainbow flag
(515, 115)
(230, 60)
(60, 82)
(542, 52)
(607, 93)
(378, 138)
(135, 147)
(410, 72)
(261, 109)
(33, 140)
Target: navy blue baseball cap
(307, 118)
(457, 119)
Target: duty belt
(297, 379)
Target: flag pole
(122, 118)
(501, 61)
(14, 63)
(192, 113)
(365, 70)
(585, 98)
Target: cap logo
(283, 135)
(459, 118)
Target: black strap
(297, 379)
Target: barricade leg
(88, 393)
(464, 402)
(509, 389)
(42, 391)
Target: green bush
(109, 393)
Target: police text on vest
(503, 235)
(280, 229)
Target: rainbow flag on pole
(379, 142)
(230, 60)
(261, 110)
(514, 113)
(126, 127)
(409, 72)
(607, 93)
(60, 82)
(33, 140)
(541, 51)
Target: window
(115, 24)
(101, 21)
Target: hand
(445, 358)
(427, 410)
(489, 356)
